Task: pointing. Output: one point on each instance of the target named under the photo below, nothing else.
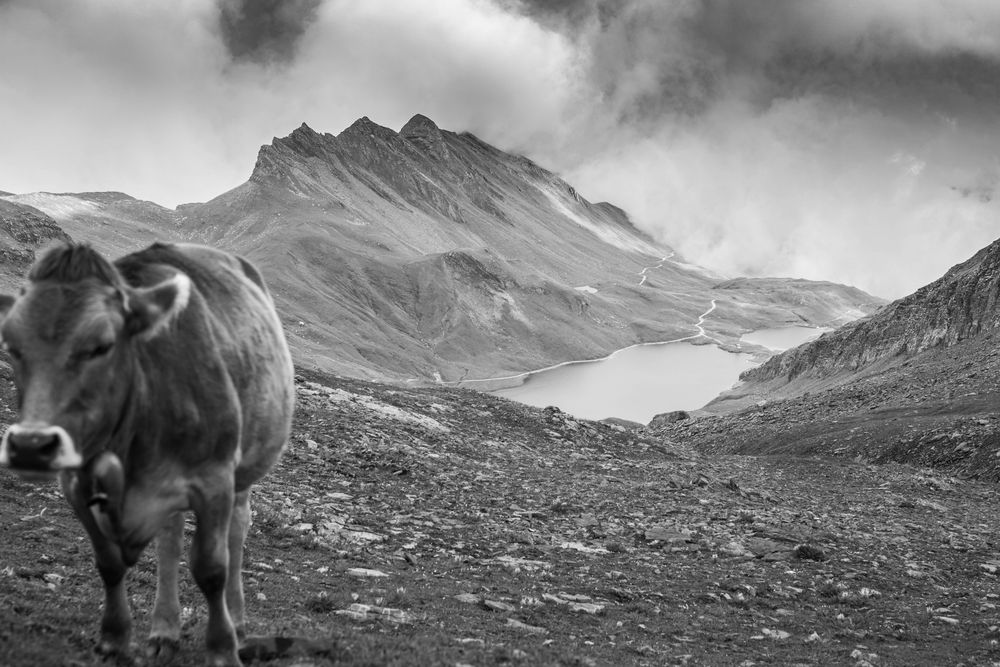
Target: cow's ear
(149, 310)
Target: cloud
(798, 137)
(265, 30)
(170, 101)
(829, 140)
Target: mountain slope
(429, 255)
(963, 304)
(915, 383)
(114, 222)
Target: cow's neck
(102, 481)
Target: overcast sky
(849, 140)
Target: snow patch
(586, 288)
(58, 207)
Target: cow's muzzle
(30, 448)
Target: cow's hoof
(112, 653)
(162, 649)
(112, 648)
(224, 660)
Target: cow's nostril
(33, 448)
(49, 448)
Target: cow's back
(231, 312)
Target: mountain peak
(364, 127)
(304, 140)
(423, 133)
(420, 123)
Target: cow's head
(71, 338)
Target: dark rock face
(423, 133)
(962, 304)
(24, 229)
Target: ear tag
(107, 479)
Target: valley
(837, 507)
(641, 381)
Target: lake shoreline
(643, 379)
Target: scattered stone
(668, 534)
(735, 549)
(809, 552)
(930, 504)
(587, 607)
(52, 578)
(771, 550)
(524, 627)
(947, 619)
(365, 572)
(579, 546)
(366, 612)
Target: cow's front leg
(209, 565)
(165, 630)
(116, 621)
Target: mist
(848, 141)
(844, 141)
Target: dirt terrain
(446, 527)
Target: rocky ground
(937, 409)
(446, 527)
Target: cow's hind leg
(238, 527)
(165, 630)
(209, 565)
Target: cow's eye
(14, 352)
(95, 351)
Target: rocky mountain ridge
(428, 255)
(961, 305)
(460, 261)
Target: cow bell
(107, 485)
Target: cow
(153, 385)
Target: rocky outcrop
(423, 133)
(963, 303)
(665, 418)
(23, 230)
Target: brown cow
(157, 384)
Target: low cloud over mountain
(799, 138)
